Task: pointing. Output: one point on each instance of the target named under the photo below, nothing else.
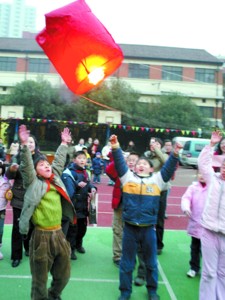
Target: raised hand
(113, 139)
(23, 134)
(154, 145)
(66, 136)
(177, 148)
(216, 136)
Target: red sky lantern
(79, 46)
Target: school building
(150, 70)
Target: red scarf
(61, 191)
(84, 172)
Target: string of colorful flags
(113, 126)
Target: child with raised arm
(45, 203)
(141, 193)
(212, 284)
(117, 224)
(192, 204)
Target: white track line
(71, 278)
(166, 282)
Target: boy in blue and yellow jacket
(141, 193)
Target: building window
(138, 71)
(207, 112)
(205, 75)
(38, 65)
(172, 73)
(7, 63)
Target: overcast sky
(195, 24)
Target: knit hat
(40, 158)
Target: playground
(93, 274)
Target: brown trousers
(49, 252)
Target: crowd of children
(62, 194)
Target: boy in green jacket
(45, 203)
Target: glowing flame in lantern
(96, 76)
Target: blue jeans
(132, 237)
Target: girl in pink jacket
(212, 284)
(192, 204)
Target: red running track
(176, 220)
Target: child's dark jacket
(79, 196)
(97, 165)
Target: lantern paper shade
(79, 46)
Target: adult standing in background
(158, 157)
(79, 146)
(14, 148)
(105, 155)
(168, 147)
(94, 148)
(89, 142)
(131, 147)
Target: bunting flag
(185, 132)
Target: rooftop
(144, 52)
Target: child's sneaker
(192, 273)
(139, 281)
(1, 255)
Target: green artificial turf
(94, 276)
